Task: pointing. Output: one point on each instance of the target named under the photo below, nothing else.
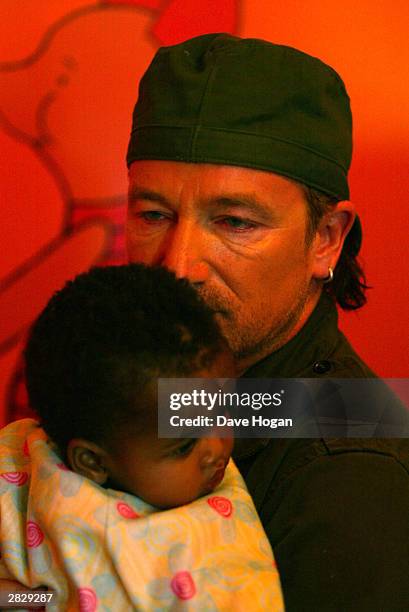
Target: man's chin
(231, 333)
(228, 329)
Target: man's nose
(183, 252)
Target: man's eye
(152, 216)
(236, 224)
(184, 449)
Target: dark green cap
(245, 102)
(221, 99)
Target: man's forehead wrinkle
(139, 193)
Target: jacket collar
(315, 340)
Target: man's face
(238, 235)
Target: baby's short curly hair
(95, 352)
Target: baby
(79, 496)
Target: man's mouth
(216, 305)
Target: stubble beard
(251, 341)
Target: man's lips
(216, 305)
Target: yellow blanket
(100, 549)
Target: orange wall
(68, 82)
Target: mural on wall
(68, 84)
(69, 72)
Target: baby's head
(92, 363)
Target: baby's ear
(88, 459)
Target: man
(238, 163)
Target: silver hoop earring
(330, 276)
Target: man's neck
(243, 363)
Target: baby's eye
(184, 449)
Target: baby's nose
(214, 454)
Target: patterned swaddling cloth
(100, 549)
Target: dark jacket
(336, 510)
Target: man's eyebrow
(138, 193)
(246, 201)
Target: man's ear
(330, 236)
(88, 459)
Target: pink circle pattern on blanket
(222, 505)
(35, 536)
(183, 585)
(126, 511)
(17, 478)
(87, 599)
